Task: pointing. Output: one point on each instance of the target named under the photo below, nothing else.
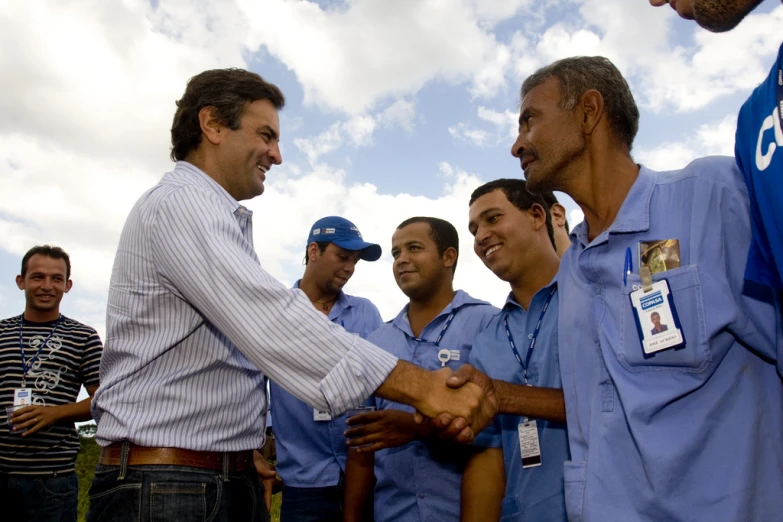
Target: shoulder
(361, 303)
(76, 327)
(386, 336)
(710, 171)
(711, 182)
(10, 321)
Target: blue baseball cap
(344, 234)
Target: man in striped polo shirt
(45, 358)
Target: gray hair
(578, 75)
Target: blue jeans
(176, 494)
(312, 504)
(44, 499)
(323, 504)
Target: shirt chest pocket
(685, 288)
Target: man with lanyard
(758, 146)
(514, 237)
(45, 358)
(661, 427)
(418, 476)
(310, 443)
(195, 325)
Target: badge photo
(656, 318)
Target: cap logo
(357, 232)
(316, 231)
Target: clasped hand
(473, 405)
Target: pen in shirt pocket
(628, 266)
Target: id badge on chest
(23, 397)
(321, 416)
(656, 318)
(529, 447)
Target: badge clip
(646, 275)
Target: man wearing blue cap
(311, 449)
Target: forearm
(530, 401)
(74, 412)
(406, 384)
(359, 481)
(483, 486)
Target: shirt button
(415, 355)
(529, 336)
(421, 495)
(598, 290)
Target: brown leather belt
(111, 455)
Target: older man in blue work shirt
(514, 237)
(691, 431)
(310, 444)
(417, 479)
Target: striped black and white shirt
(194, 323)
(70, 358)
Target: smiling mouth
(491, 250)
(526, 162)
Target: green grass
(85, 467)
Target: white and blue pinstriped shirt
(194, 323)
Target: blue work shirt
(421, 480)
(684, 434)
(532, 493)
(759, 153)
(311, 453)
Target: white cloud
(468, 134)
(507, 122)
(505, 128)
(714, 138)
(401, 113)
(638, 40)
(355, 56)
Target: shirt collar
(201, 178)
(634, 213)
(461, 298)
(512, 303)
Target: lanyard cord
(442, 332)
(511, 342)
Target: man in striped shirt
(45, 358)
(194, 326)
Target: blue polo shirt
(421, 480)
(311, 453)
(685, 434)
(759, 153)
(532, 493)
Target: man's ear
(538, 214)
(592, 106)
(313, 252)
(449, 257)
(68, 285)
(20, 282)
(210, 126)
(558, 212)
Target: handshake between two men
(454, 406)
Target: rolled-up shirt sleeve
(203, 256)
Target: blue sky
(394, 109)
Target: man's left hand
(377, 430)
(34, 418)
